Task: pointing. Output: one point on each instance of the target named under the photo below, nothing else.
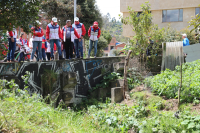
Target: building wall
(156, 8)
(158, 4)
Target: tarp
(192, 51)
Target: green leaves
(168, 82)
(18, 13)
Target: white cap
(76, 19)
(54, 19)
(68, 21)
(185, 35)
(38, 22)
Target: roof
(119, 43)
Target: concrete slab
(116, 94)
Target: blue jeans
(58, 44)
(78, 46)
(35, 45)
(95, 47)
(21, 56)
(12, 47)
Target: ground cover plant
(21, 112)
(168, 82)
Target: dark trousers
(21, 56)
(48, 55)
(43, 55)
(12, 47)
(69, 48)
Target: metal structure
(74, 8)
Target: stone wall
(73, 78)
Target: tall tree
(141, 25)
(90, 13)
(18, 13)
(196, 23)
(63, 10)
(15, 13)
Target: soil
(170, 105)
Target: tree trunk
(125, 88)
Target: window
(172, 15)
(112, 47)
(138, 14)
(106, 48)
(197, 10)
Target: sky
(111, 6)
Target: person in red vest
(12, 35)
(94, 33)
(37, 40)
(24, 42)
(80, 28)
(53, 35)
(68, 33)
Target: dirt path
(170, 104)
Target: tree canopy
(18, 13)
(63, 10)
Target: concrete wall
(156, 8)
(75, 77)
(158, 4)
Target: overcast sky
(111, 6)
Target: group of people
(69, 39)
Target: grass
(27, 114)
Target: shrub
(168, 82)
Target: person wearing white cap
(53, 35)
(186, 41)
(80, 28)
(37, 40)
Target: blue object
(21, 56)
(57, 42)
(186, 42)
(78, 46)
(35, 45)
(95, 47)
(12, 47)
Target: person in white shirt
(48, 52)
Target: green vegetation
(143, 27)
(105, 83)
(114, 27)
(18, 13)
(168, 82)
(195, 22)
(31, 114)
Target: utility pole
(74, 8)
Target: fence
(172, 55)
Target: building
(177, 13)
(113, 45)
